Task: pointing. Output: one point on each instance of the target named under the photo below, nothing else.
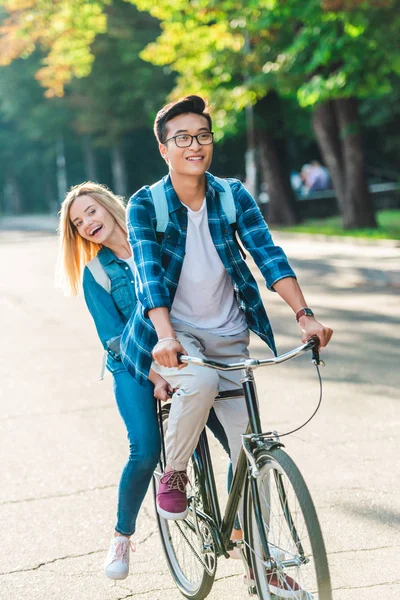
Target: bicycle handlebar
(253, 363)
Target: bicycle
(283, 551)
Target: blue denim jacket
(110, 311)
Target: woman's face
(92, 221)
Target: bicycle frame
(247, 467)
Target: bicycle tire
(292, 528)
(190, 563)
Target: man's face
(191, 160)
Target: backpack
(162, 218)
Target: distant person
(94, 247)
(315, 177)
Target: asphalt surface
(62, 444)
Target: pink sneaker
(283, 586)
(171, 496)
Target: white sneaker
(116, 564)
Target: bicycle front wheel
(298, 567)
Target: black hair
(183, 106)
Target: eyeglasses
(184, 140)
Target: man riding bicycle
(196, 295)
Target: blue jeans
(138, 410)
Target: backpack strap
(160, 205)
(229, 208)
(227, 200)
(99, 273)
(162, 214)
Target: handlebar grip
(315, 349)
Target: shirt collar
(173, 201)
(106, 256)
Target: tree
(60, 67)
(64, 30)
(29, 127)
(110, 92)
(326, 54)
(122, 93)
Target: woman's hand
(162, 389)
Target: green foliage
(64, 30)
(122, 92)
(236, 52)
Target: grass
(388, 227)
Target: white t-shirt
(130, 262)
(205, 298)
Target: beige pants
(198, 387)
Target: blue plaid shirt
(159, 265)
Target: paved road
(62, 443)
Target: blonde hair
(74, 251)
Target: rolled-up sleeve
(151, 290)
(254, 233)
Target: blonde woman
(95, 253)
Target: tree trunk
(250, 155)
(282, 202)
(61, 169)
(89, 158)
(327, 135)
(337, 130)
(359, 210)
(272, 160)
(118, 168)
(12, 196)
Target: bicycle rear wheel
(299, 567)
(188, 544)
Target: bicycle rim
(299, 569)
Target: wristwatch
(304, 312)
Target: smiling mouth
(96, 231)
(195, 158)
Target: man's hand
(166, 353)
(310, 326)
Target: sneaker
(171, 497)
(116, 564)
(283, 586)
